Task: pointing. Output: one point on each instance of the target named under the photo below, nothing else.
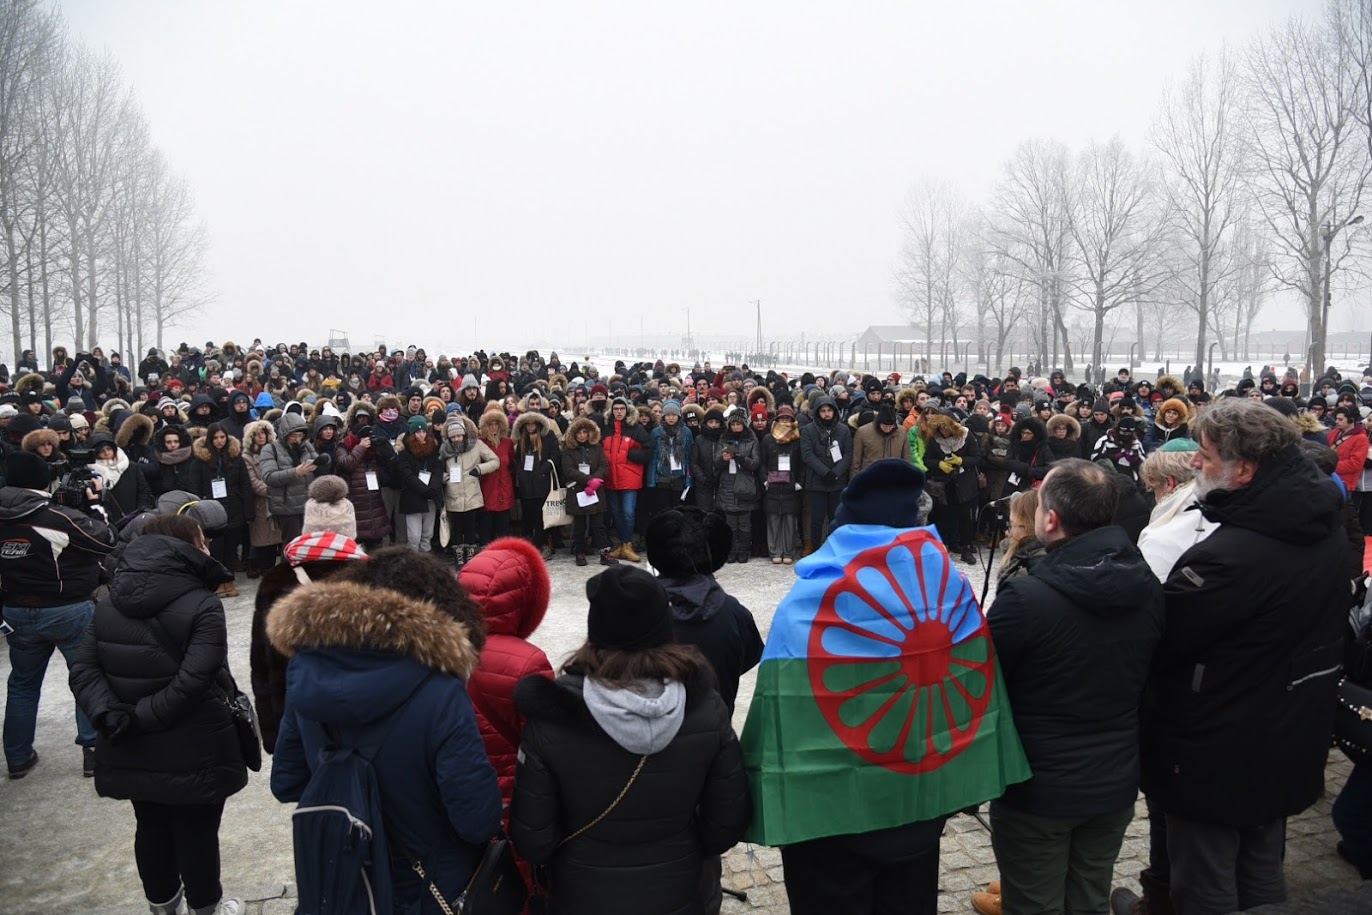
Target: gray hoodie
(642, 719)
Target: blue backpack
(342, 864)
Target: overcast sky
(461, 173)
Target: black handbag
(496, 887)
(1353, 720)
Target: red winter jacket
(626, 451)
(497, 489)
(510, 581)
(1352, 449)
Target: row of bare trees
(101, 242)
(1255, 171)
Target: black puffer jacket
(690, 800)
(1241, 702)
(1075, 637)
(181, 746)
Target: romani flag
(879, 699)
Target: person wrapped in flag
(879, 709)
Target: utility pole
(758, 346)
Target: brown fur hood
(251, 429)
(136, 427)
(1182, 407)
(38, 437)
(761, 393)
(33, 381)
(355, 406)
(942, 426)
(569, 441)
(494, 424)
(1062, 419)
(1306, 421)
(349, 615)
(545, 424)
(200, 449)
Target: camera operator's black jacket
(49, 555)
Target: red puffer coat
(510, 581)
(627, 450)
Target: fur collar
(349, 615)
(494, 425)
(135, 430)
(544, 424)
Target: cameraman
(50, 565)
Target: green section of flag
(807, 784)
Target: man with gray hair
(1075, 638)
(1240, 708)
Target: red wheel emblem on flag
(901, 661)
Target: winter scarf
(674, 446)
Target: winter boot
(627, 552)
(608, 559)
(1156, 898)
(175, 906)
(581, 559)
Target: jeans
(1056, 864)
(175, 845)
(37, 631)
(1220, 869)
(1353, 818)
(622, 505)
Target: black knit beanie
(628, 610)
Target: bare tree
(1034, 231)
(173, 245)
(933, 222)
(1197, 136)
(997, 291)
(1115, 229)
(1311, 163)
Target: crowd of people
(400, 511)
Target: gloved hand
(593, 486)
(831, 477)
(946, 466)
(115, 723)
(955, 460)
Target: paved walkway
(65, 850)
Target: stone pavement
(64, 849)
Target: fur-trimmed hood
(38, 437)
(533, 419)
(1058, 420)
(1177, 387)
(1306, 421)
(761, 393)
(200, 449)
(494, 425)
(33, 381)
(350, 616)
(135, 429)
(941, 426)
(569, 442)
(1184, 410)
(251, 428)
(354, 408)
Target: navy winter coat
(437, 786)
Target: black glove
(115, 723)
(831, 477)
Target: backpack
(342, 863)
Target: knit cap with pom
(328, 508)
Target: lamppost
(1320, 345)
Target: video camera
(74, 476)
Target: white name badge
(584, 468)
(783, 462)
(1013, 479)
(587, 499)
(835, 452)
(425, 476)
(676, 465)
(372, 483)
(528, 462)
(454, 472)
(219, 489)
(733, 467)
